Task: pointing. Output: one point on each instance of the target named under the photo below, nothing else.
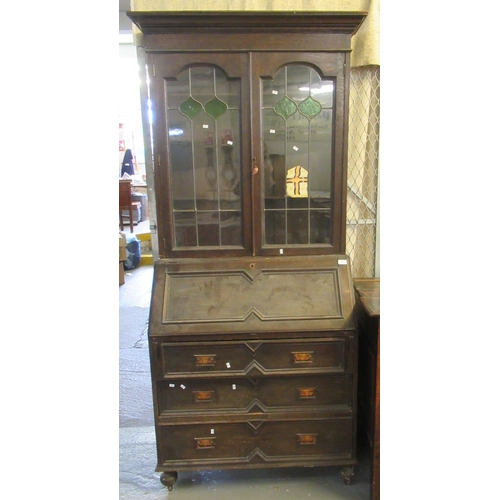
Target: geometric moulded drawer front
(260, 395)
(252, 359)
(255, 443)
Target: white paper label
(230, 143)
(275, 92)
(342, 262)
(272, 131)
(228, 365)
(171, 385)
(295, 148)
(234, 387)
(212, 431)
(205, 126)
(183, 386)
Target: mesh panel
(362, 180)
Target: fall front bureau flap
(251, 295)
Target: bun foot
(347, 474)
(168, 479)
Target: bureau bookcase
(253, 344)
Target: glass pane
(273, 90)
(178, 91)
(226, 90)
(297, 145)
(320, 166)
(322, 90)
(191, 107)
(228, 159)
(275, 181)
(297, 227)
(275, 227)
(320, 226)
(231, 229)
(181, 160)
(205, 175)
(185, 229)
(274, 157)
(202, 83)
(208, 229)
(310, 107)
(285, 107)
(215, 107)
(297, 82)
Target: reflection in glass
(297, 123)
(203, 119)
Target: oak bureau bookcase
(253, 343)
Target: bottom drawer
(294, 442)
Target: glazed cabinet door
(298, 141)
(200, 118)
(249, 152)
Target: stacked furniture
(253, 342)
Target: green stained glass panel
(190, 108)
(215, 107)
(310, 107)
(285, 108)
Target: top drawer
(253, 359)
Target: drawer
(256, 442)
(227, 359)
(242, 395)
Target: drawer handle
(205, 443)
(306, 438)
(205, 359)
(303, 357)
(307, 392)
(203, 396)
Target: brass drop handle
(255, 168)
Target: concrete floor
(138, 479)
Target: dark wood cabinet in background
(252, 338)
(368, 319)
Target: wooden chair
(126, 203)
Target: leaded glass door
(249, 172)
(201, 151)
(299, 144)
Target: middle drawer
(259, 395)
